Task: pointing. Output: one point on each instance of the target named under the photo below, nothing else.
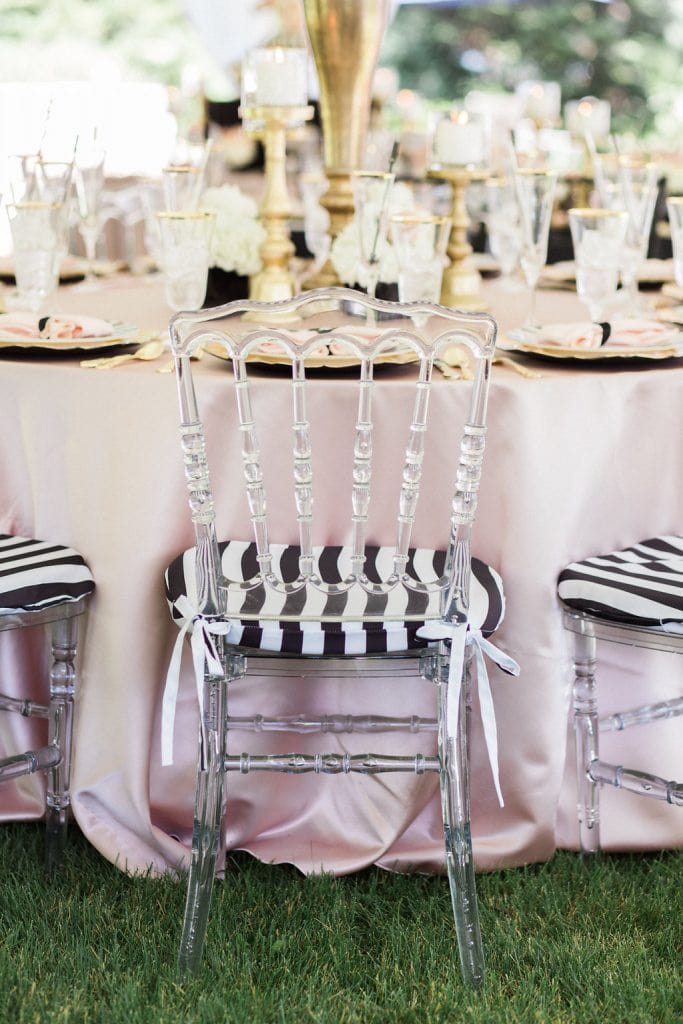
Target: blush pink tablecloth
(578, 462)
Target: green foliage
(150, 40)
(565, 942)
(628, 51)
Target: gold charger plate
(327, 362)
(123, 334)
(71, 269)
(669, 350)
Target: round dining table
(583, 457)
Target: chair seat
(35, 575)
(641, 585)
(393, 634)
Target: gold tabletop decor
(271, 124)
(345, 39)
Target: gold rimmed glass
(598, 239)
(38, 239)
(638, 182)
(185, 238)
(419, 241)
(182, 186)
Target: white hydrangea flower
(345, 251)
(238, 233)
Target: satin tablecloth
(578, 462)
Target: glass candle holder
(275, 76)
(460, 139)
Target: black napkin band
(41, 323)
(606, 331)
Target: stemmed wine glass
(89, 187)
(629, 183)
(638, 180)
(598, 239)
(535, 190)
(371, 191)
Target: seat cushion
(642, 585)
(394, 633)
(35, 575)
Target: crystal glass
(182, 186)
(638, 181)
(629, 183)
(38, 237)
(419, 241)
(535, 190)
(371, 191)
(89, 188)
(501, 216)
(598, 239)
(185, 256)
(674, 206)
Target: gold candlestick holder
(272, 124)
(461, 285)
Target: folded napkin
(29, 325)
(621, 333)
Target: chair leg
(206, 833)
(586, 733)
(60, 730)
(455, 807)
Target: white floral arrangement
(238, 233)
(345, 252)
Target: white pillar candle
(588, 116)
(275, 77)
(542, 100)
(460, 139)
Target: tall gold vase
(345, 39)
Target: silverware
(523, 371)
(151, 349)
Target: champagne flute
(598, 239)
(638, 181)
(503, 228)
(89, 187)
(535, 190)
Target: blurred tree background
(629, 52)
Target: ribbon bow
(461, 635)
(204, 653)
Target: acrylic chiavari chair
(43, 583)
(316, 609)
(632, 597)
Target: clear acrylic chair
(400, 610)
(43, 583)
(633, 597)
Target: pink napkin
(30, 325)
(623, 333)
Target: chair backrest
(336, 326)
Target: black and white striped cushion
(353, 636)
(642, 585)
(36, 575)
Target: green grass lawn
(565, 944)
